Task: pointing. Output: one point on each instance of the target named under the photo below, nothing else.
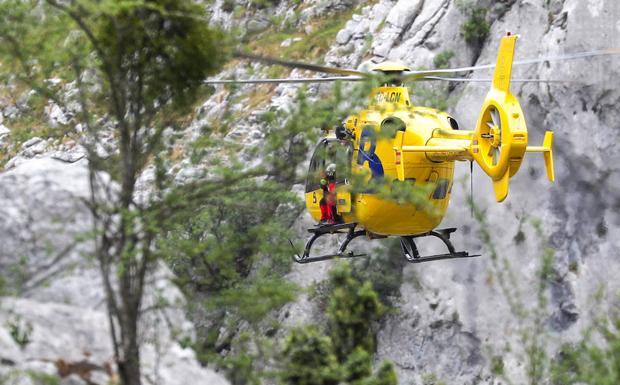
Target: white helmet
(330, 170)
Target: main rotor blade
(489, 80)
(362, 78)
(573, 56)
(300, 65)
(286, 80)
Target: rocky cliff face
(59, 326)
(453, 316)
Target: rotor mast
(392, 94)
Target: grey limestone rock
(44, 260)
(452, 316)
(578, 214)
(256, 25)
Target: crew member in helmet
(329, 216)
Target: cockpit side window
(340, 153)
(329, 152)
(316, 170)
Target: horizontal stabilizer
(547, 150)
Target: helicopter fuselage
(371, 155)
(391, 167)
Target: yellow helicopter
(421, 149)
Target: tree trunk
(129, 364)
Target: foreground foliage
(594, 360)
(130, 71)
(343, 352)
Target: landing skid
(407, 243)
(348, 228)
(410, 250)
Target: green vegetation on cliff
(343, 352)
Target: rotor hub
(490, 133)
(495, 132)
(390, 67)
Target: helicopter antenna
(471, 186)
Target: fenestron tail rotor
(500, 138)
(494, 134)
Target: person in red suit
(329, 216)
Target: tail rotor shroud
(500, 138)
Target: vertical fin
(503, 67)
(471, 186)
(501, 187)
(548, 154)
